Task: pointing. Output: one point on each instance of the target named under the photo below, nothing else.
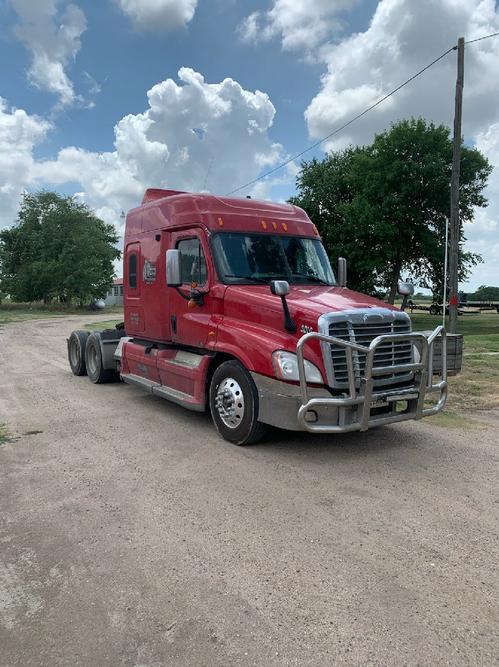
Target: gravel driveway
(132, 535)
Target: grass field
(99, 326)
(18, 312)
(477, 386)
(486, 322)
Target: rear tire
(434, 310)
(76, 352)
(93, 359)
(234, 404)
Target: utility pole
(454, 193)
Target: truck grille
(362, 327)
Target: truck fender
(108, 342)
(227, 352)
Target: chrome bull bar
(364, 399)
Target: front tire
(93, 359)
(234, 404)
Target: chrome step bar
(161, 390)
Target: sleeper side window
(192, 262)
(132, 270)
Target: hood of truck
(256, 304)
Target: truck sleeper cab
(231, 304)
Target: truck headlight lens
(286, 368)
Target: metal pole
(455, 227)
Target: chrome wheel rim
(229, 402)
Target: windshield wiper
(313, 277)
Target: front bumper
(306, 408)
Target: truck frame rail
(361, 402)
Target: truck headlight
(286, 368)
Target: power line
(342, 127)
(479, 39)
(355, 118)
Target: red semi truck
(231, 305)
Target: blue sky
(75, 76)
(125, 63)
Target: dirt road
(132, 535)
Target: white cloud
(365, 66)
(193, 136)
(300, 24)
(19, 134)
(52, 35)
(402, 37)
(159, 14)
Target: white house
(115, 295)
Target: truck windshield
(243, 258)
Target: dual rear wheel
(85, 357)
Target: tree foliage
(385, 206)
(58, 249)
(485, 293)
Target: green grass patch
(488, 343)
(477, 386)
(19, 312)
(450, 419)
(20, 315)
(485, 323)
(99, 326)
(4, 434)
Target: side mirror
(173, 278)
(342, 272)
(279, 287)
(405, 289)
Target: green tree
(391, 202)
(326, 192)
(485, 293)
(58, 249)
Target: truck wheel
(234, 404)
(93, 358)
(76, 352)
(434, 310)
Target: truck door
(189, 322)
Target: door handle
(173, 323)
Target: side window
(192, 262)
(121, 290)
(132, 270)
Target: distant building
(115, 295)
